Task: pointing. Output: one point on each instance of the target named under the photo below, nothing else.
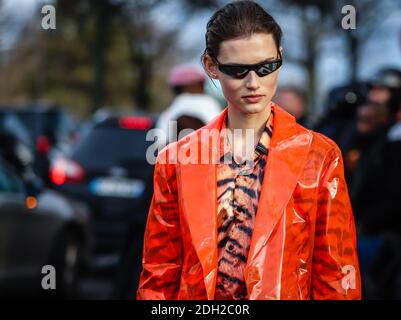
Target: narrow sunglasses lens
(234, 71)
(268, 68)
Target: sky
(16, 11)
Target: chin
(253, 108)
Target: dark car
(108, 170)
(38, 227)
(10, 123)
(48, 127)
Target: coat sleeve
(335, 267)
(161, 262)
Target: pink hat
(184, 75)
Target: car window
(106, 146)
(33, 122)
(9, 182)
(54, 124)
(11, 124)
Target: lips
(254, 98)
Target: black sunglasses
(239, 71)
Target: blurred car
(11, 124)
(48, 127)
(108, 170)
(38, 227)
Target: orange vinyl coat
(303, 244)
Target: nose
(252, 80)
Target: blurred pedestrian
(386, 89)
(373, 167)
(191, 108)
(338, 122)
(293, 100)
(365, 146)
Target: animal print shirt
(238, 191)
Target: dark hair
(239, 19)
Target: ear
(210, 66)
(281, 51)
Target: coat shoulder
(320, 141)
(322, 148)
(169, 154)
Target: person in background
(191, 107)
(365, 144)
(375, 199)
(376, 121)
(373, 168)
(293, 100)
(386, 89)
(338, 121)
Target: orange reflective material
(303, 244)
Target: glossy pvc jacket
(303, 244)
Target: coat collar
(288, 151)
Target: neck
(255, 121)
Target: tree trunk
(144, 68)
(353, 49)
(99, 55)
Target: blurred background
(79, 93)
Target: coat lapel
(199, 202)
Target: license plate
(117, 187)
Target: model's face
(253, 93)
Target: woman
(276, 226)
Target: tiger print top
(238, 191)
